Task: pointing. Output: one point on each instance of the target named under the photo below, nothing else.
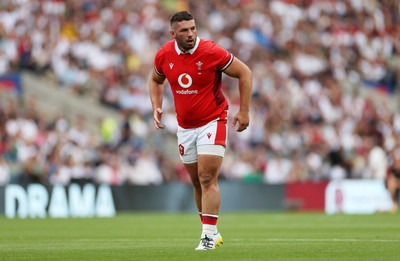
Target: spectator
(145, 171)
(111, 171)
(377, 158)
(5, 173)
(310, 62)
(277, 170)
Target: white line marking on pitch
(322, 239)
(252, 240)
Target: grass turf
(164, 236)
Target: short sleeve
(158, 63)
(222, 56)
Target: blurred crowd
(310, 60)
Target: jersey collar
(191, 51)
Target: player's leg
(211, 143)
(208, 169)
(188, 153)
(193, 173)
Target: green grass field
(161, 236)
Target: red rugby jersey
(195, 80)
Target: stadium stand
(325, 86)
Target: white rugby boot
(210, 242)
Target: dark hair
(181, 16)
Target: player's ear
(172, 33)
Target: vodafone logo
(184, 80)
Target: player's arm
(241, 71)
(156, 96)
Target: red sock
(209, 219)
(201, 217)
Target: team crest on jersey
(199, 64)
(171, 65)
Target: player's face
(185, 34)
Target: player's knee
(206, 180)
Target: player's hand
(243, 119)
(157, 115)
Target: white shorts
(210, 139)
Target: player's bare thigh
(209, 166)
(193, 172)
